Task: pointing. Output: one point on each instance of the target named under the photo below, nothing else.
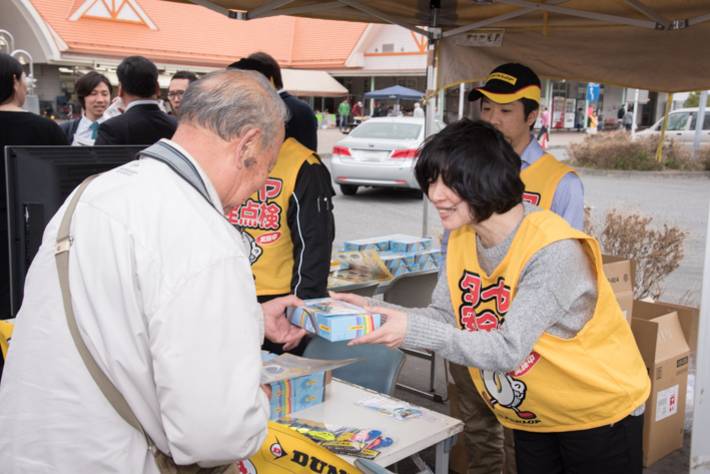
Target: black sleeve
(108, 134)
(56, 134)
(310, 219)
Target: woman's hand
(391, 333)
(351, 298)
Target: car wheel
(348, 189)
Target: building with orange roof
(67, 38)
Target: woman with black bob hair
(17, 127)
(486, 174)
(523, 302)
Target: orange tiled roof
(191, 34)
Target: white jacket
(164, 298)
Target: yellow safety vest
(541, 179)
(264, 218)
(594, 379)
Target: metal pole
(636, 106)
(700, 439)
(6, 35)
(699, 122)
(431, 86)
(31, 82)
(462, 98)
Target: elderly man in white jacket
(164, 299)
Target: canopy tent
(395, 92)
(649, 44)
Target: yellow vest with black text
(541, 179)
(594, 379)
(264, 219)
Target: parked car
(380, 152)
(681, 126)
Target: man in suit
(143, 122)
(93, 91)
(302, 125)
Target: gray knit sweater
(556, 294)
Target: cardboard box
(381, 244)
(281, 405)
(333, 319)
(620, 273)
(409, 243)
(428, 259)
(399, 263)
(298, 385)
(661, 335)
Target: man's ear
(157, 90)
(246, 148)
(533, 116)
(121, 91)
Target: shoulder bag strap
(61, 253)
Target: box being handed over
(334, 320)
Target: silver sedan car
(380, 152)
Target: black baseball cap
(507, 83)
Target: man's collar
(142, 102)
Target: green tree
(693, 100)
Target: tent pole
(429, 119)
(633, 125)
(700, 437)
(462, 97)
(699, 122)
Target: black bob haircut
(475, 161)
(86, 84)
(138, 76)
(10, 69)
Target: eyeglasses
(178, 94)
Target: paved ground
(602, 191)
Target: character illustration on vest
(254, 250)
(504, 390)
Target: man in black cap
(510, 101)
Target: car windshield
(392, 130)
(677, 121)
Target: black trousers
(611, 449)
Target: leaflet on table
(287, 366)
(387, 406)
(362, 266)
(362, 443)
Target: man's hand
(391, 333)
(276, 326)
(267, 389)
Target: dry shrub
(618, 152)
(657, 251)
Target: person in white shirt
(93, 91)
(164, 298)
(418, 111)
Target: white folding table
(411, 436)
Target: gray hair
(231, 102)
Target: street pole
(699, 122)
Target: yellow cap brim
(530, 92)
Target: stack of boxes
(666, 337)
(298, 393)
(400, 253)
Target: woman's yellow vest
(541, 179)
(264, 219)
(594, 379)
